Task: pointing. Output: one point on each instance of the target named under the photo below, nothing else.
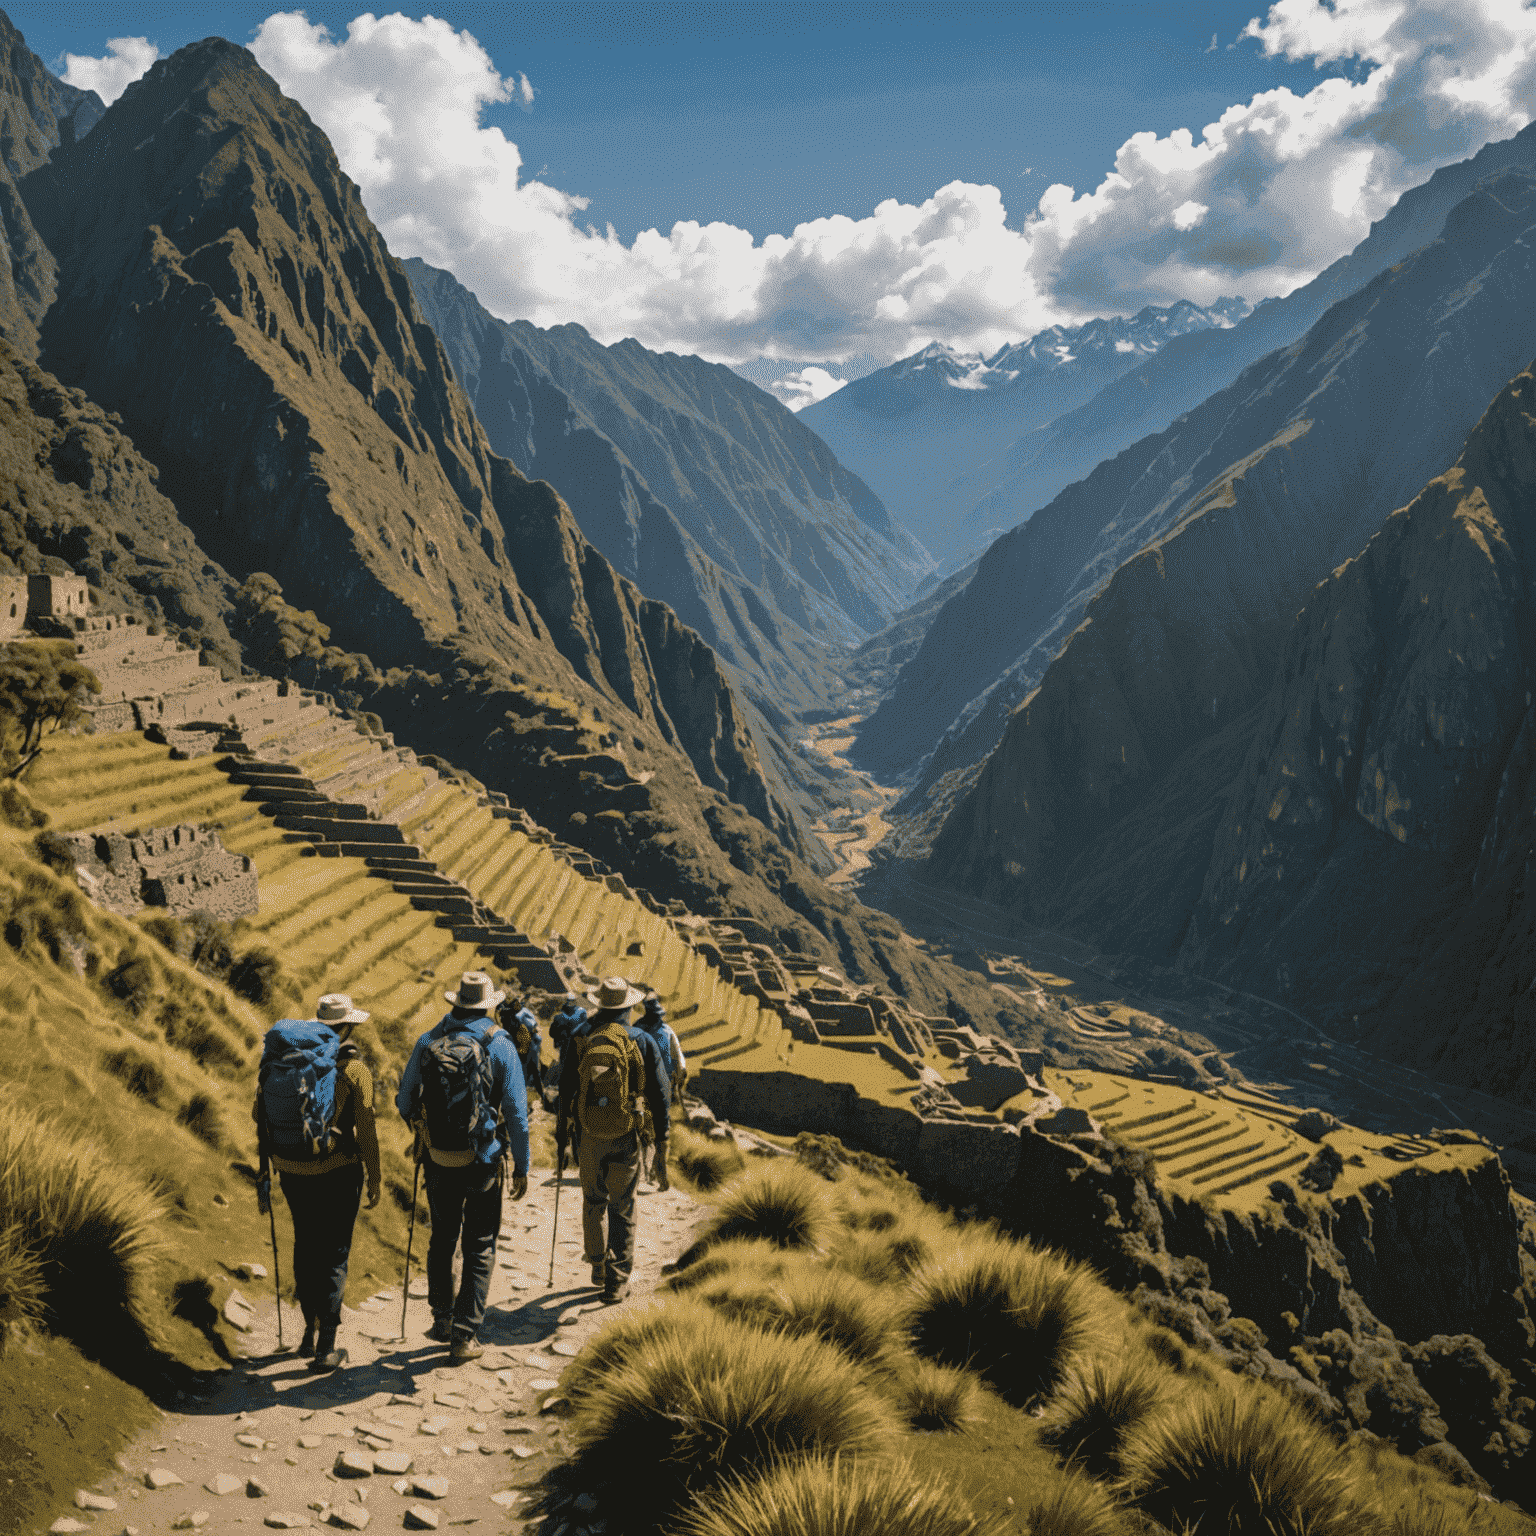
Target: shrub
(132, 982)
(189, 1028)
(824, 1496)
(1257, 1465)
(1078, 1506)
(704, 1164)
(810, 1303)
(1094, 1411)
(91, 1224)
(202, 1116)
(780, 1202)
(21, 1285)
(255, 976)
(750, 1255)
(16, 810)
(138, 1073)
(1009, 1312)
(700, 1408)
(935, 1397)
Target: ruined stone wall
(184, 869)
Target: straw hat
(336, 1008)
(475, 991)
(615, 992)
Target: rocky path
(399, 1438)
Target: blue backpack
(297, 1081)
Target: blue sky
(809, 191)
(765, 115)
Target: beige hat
(336, 1008)
(615, 992)
(476, 990)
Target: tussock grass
(936, 1397)
(91, 1224)
(1242, 1465)
(202, 1116)
(704, 1164)
(781, 1202)
(1078, 1506)
(805, 1301)
(754, 1256)
(883, 1258)
(1013, 1314)
(629, 1334)
(719, 1402)
(837, 1497)
(22, 1295)
(139, 1074)
(1096, 1407)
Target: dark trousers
(324, 1209)
(465, 1203)
(610, 1173)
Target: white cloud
(126, 59)
(805, 387)
(1254, 204)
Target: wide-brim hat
(336, 1008)
(476, 990)
(615, 992)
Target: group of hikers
(465, 1094)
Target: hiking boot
(462, 1351)
(441, 1331)
(599, 1272)
(307, 1343)
(613, 1293)
(327, 1356)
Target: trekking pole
(265, 1198)
(555, 1234)
(405, 1290)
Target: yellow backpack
(610, 1098)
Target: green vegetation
(42, 688)
(985, 1386)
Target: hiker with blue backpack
(522, 1024)
(315, 1125)
(611, 1075)
(462, 1091)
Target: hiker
(522, 1024)
(653, 1020)
(463, 1074)
(610, 1076)
(569, 1024)
(314, 1124)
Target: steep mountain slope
(1058, 446)
(37, 112)
(704, 491)
(1374, 854)
(1101, 806)
(1377, 395)
(220, 286)
(934, 430)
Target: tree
(42, 688)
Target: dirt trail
(476, 1427)
(849, 832)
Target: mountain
(705, 492)
(225, 306)
(1102, 804)
(1380, 370)
(37, 113)
(934, 430)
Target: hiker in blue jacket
(462, 1076)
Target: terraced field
(1229, 1148)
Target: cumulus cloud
(805, 387)
(1257, 202)
(1253, 204)
(126, 59)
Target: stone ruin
(183, 869)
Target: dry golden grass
(1095, 1408)
(781, 1202)
(1078, 1506)
(935, 1397)
(836, 1497)
(703, 1164)
(23, 1290)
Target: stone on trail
(161, 1477)
(66, 1524)
(224, 1484)
(419, 1286)
(395, 1462)
(256, 1489)
(352, 1516)
(239, 1313)
(191, 1520)
(430, 1487)
(85, 1499)
(561, 1347)
(450, 1400)
(419, 1518)
(506, 1498)
(523, 1452)
(401, 1485)
(543, 1384)
(287, 1520)
(551, 1403)
(255, 1442)
(353, 1464)
(309, 1442)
